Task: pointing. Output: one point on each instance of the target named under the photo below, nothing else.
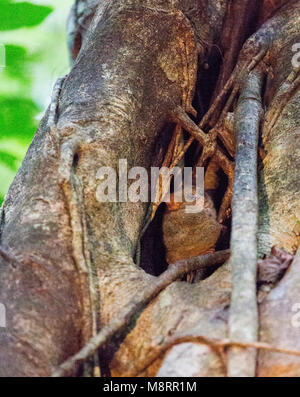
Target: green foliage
(17, 59)
(36, 54)
(17, 123)
(18, 115)
(17, 15)
(17, 118)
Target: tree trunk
(68, 261)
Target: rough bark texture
(105, 113)
(243, 322)
(67, 266)
(175, 272)
(277, 326)
(279, 171)
(279, 203)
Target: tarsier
(190, 234)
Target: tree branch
(173, 273)
(243, 320)
(219, 346)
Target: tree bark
(68, 261)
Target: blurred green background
(33, 54)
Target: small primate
(188, 234)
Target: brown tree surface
(160, 82)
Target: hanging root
(231, 88)
(208, 141)
(175, 153)
(173, 273)
(228, 169)
(210, 150)
(243, 320)
(179, 116)
(219, 346)
(73, 193)
(72, 189)
(215, 120)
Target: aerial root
(219, 346)
(173, 273)
(208, 141)
(231, 90)
(74, 199)
(210, 150)
(228, 169)
(243, 316)
(180, 117)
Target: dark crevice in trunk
(153, 251)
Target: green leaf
(18, 15)
(17, 118)
(9, 160)
(13, 147)
(16, 62)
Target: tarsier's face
(190, 199)
(187, 234)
